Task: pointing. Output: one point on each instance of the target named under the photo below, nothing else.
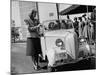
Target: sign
(47, 11)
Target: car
(59, 43)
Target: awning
(76, 9)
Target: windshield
(57, 24)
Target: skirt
(33, 46)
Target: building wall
(47, 11)
(25, 9)
(15, 13)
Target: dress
(80, 29)
(76, 23)
(63, 26)
(91, 31)
(69, 23)
(85, 30)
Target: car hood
(59, 32)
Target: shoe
(38, 67)
(51, 69)
(35, 67)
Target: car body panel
(55, 53)
(53, 50)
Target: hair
(75, 18)
(31, 15)
(68, 16)
(57, 21)
(51, 25)
(84, 15)
(80, 18)
(63, 21)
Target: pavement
(20, 63)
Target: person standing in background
(91, 31)
(93, 20)
(69, 22)
(76, 25)
(85, 27)
(63, 25)
(32, 41)
(58, 24)
(80, 26)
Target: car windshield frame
(47, 23)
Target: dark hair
(51, 24)
(57, 21)
(80, 18)
(63, 21)
(68, 16)
(84, 15)
(75, 18)
(31, 15)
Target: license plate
(62, 55)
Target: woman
(91, 31)
(76, 23)
(63, 24)
(33, 42)
(80, 28)
(69, 22)
(85, 28)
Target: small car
(59, 42)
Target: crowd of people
(83, 26)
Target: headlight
(82, 40)
(59, 43)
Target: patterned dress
(85, 30)
(80, 29)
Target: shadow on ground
(22, 64)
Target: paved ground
(21, 63)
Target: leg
(34, 62)
(37, 61)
